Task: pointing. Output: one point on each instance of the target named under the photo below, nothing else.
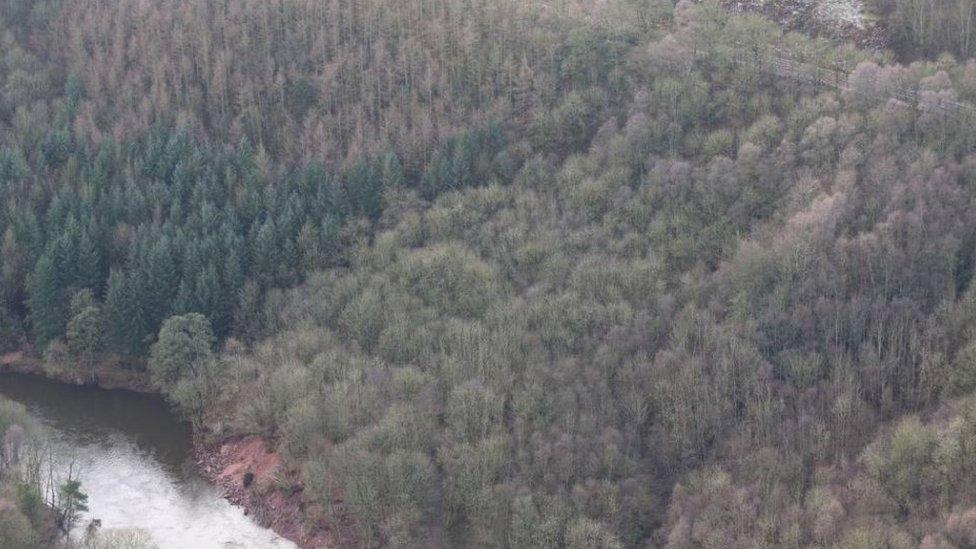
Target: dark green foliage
(86, 329)
(467, 160)
(125, 318)
(11, 331)
(46, 300)
(13, 167)
(203, 224)
(70, 503)
(184, 344)
(301, 97)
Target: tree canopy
(518, 274)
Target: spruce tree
(125, 320)
(46, 301)
(264, 253)
(10, 330)
(88, 269)
(392, 171)
(161, 283)
(212, 301)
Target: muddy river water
(133, 459)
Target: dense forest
(922, 28)
(499, 273)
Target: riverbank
(108, 375)
(26, 518)
(254, 477)
(38, 528)
(272, 497)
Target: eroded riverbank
(137, 464)
(255, 478)
(268, 500)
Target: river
(133, 459)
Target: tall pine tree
(45, 301)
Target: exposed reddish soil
(254, 477)
(11, 358)
(273, 495)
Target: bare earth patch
(844, 11)
(249, 455)
(11, 358)
(254, 477)
(839, 19)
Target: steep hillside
(512, 274)
(696, 332)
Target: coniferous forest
(514, 273)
